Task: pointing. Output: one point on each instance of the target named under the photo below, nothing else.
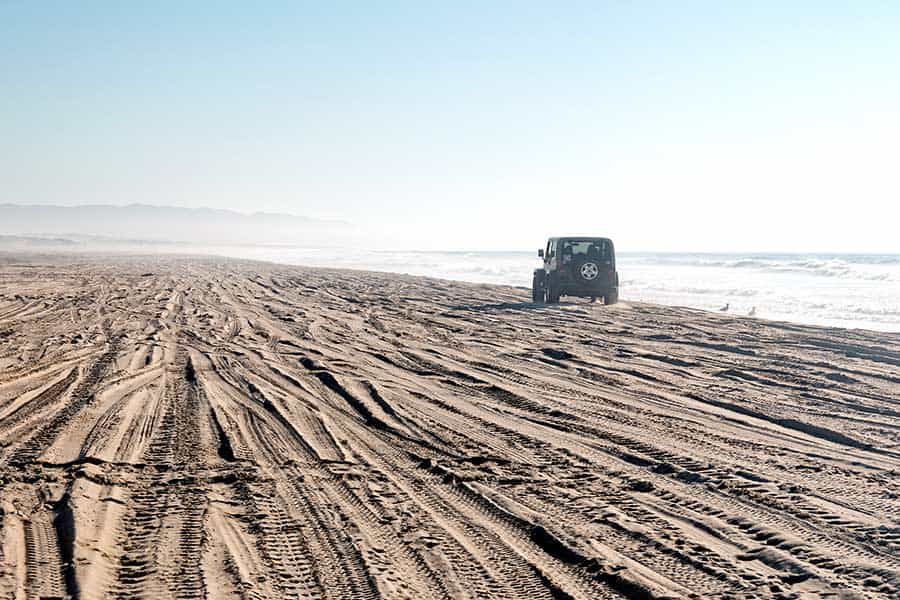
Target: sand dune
(219, 429)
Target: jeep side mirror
(541, 253)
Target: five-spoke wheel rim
(589, 271)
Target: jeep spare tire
(587, 270)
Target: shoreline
(95, 257)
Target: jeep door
(550, 256)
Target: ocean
(840, 290)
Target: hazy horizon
(114, 232)
(692, 127)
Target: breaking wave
(865, 267)
(677, 289)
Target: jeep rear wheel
(611, 296)
(553, 292)
(539, 287)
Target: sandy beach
(202, 428)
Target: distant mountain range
(142, 222)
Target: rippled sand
(188, 428)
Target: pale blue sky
(667, 125)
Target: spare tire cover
(587, 269)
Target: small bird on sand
(724, 308)
(752, 312)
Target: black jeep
(577, 266)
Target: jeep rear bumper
(574, 287)
(585, 291)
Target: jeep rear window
(595, 248)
